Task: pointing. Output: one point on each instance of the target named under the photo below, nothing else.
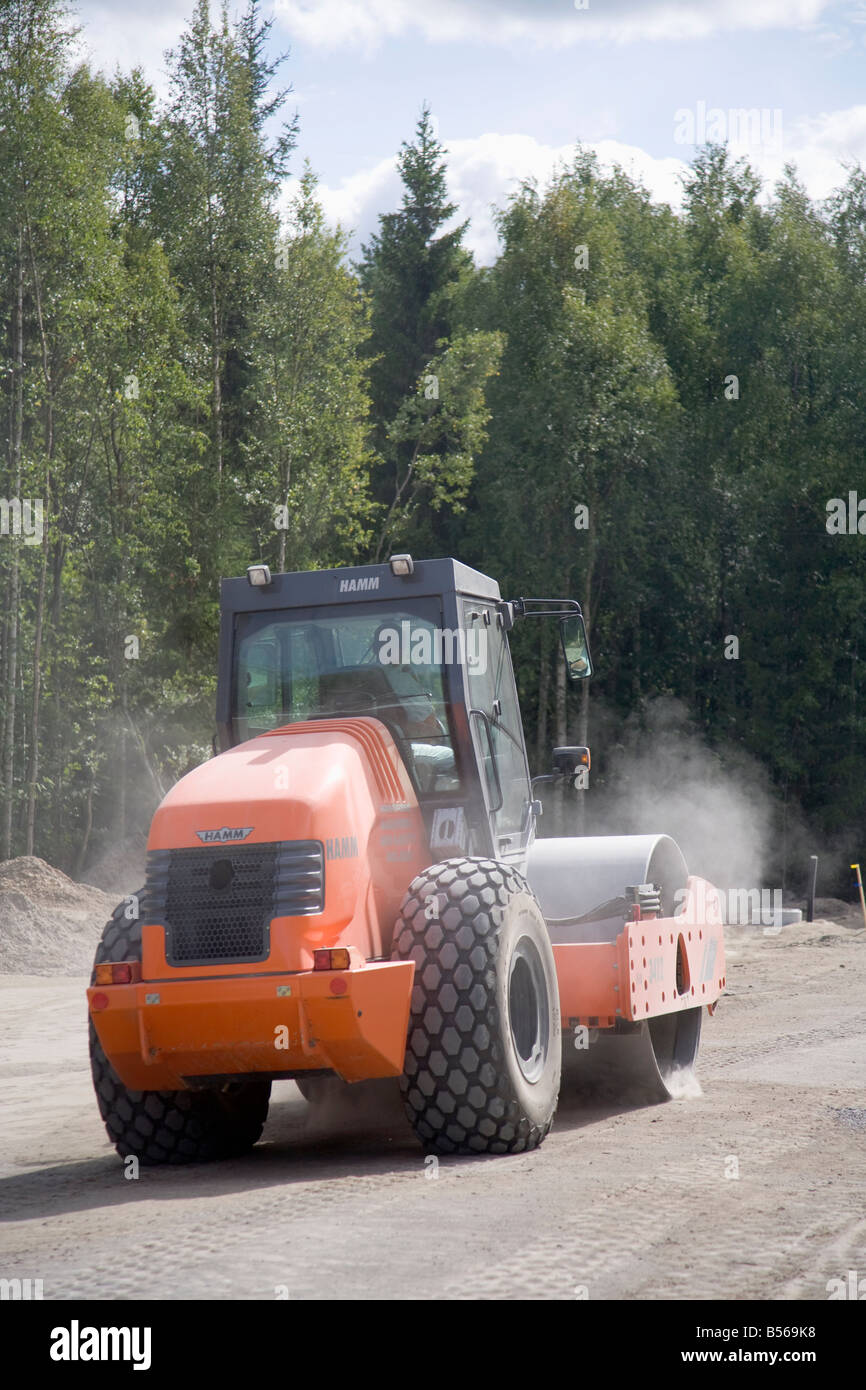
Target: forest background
(660, 413)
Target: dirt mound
(836, 910)
(49, 925)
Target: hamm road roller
(352, 888)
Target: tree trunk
(121, 808)
(152, 772)
(34, 708)
(561, 700)
(216, 362)
(583, 716)
(85, 839)
(561, 734)
(586, 602)
(33, 772)
(542, 752)
(286, 479)
(15, 434)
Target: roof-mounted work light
(259, 576)
(401, 565)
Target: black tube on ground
(813, 879)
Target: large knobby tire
(483, 1055)
(170, 1126)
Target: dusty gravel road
(619, 1203)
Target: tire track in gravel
(721, 1058)
(650, 1243)
(845, 1250)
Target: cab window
(368, 660)
(496, 726)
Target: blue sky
(514, 83)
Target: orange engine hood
(340, 782)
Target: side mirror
(567, 760)
(575, 646)
(571, 762)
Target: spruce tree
(427, 379)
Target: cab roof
(314, 588)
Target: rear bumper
(156, 1034)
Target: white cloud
(133, 38)
(355, 203)
(483, 171)
(820, 146)
(366, 23)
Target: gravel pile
(49, 925)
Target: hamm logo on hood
(211, 837)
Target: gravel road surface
(754, 1189)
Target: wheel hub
(527, 1009)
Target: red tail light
(337, 959)
(125, 972)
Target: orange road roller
(352, 889)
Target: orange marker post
(856, 867)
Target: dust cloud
(657, 774)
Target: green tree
(412, 270)
(580, 415)
(427, 378)
(32, 77)
(220, 178)
(308, 452)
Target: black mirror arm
(546, 777)
(549, 607)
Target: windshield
(365, 659)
